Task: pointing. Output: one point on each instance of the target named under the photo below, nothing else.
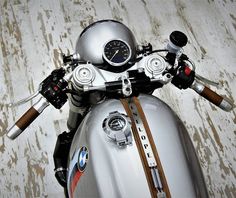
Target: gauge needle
(114, 54)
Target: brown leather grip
(27, 118)
(211, 96)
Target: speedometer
(117, 52)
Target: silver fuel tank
(105, 164)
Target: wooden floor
(33, 33)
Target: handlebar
(54, 88)
(212, 96)
(27, 118)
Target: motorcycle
(122, 141)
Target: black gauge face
(117, 52)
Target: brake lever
(205, 80)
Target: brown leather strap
(151, 140)
(140, 149)
(146, 167)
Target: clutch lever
(67, 78)
(53, 91)
(24, 100)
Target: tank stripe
(77, 168)
(74, 181)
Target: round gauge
(117, 52)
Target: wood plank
(32, 36)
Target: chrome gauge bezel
(113, 63)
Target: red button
(55, 88)
(187, 71)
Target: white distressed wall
(34, 32)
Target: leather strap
(128, 104)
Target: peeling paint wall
(33, 34)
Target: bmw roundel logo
(82, 159)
